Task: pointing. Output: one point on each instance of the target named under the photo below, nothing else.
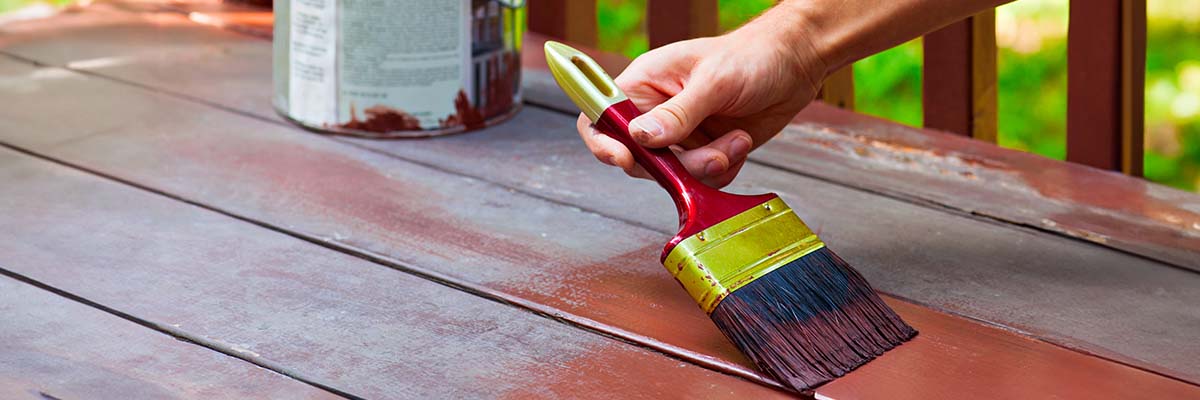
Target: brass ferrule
(725, 257)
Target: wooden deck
(167, 235)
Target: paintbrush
(799, 311)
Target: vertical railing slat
(669, 21)
(1106, 58)
(570, 20)
(959, 77)
(838, 89)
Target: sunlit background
(1032, 66)
(1032, 40)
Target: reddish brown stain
(354, 194)
(602, 374)
(381, 118)
(954, 358)
(631, 291)
(467, 116)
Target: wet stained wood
(319, 314)
(242, 152)
(55, 348)
(1002, 366)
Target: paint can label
(396, 68)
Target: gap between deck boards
(550, 313)
(578, 322)
(168, 330)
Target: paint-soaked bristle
(810, 321)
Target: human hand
(712, 100)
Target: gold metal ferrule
(725, 257)
(582, 79)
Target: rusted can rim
(409, 134)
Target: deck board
(55, 348)
(427, 217)
(588, 269)
(322, 315)
(1117, 314)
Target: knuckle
(677, 112)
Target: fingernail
(740, 147)
(648, 127)
(612, 160)
(713, 167)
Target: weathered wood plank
(650, 192)
(315, 186)
(55, 348)
(146, 48)
(323, 315)
(936, 346)
(1125, 213)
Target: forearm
(838, 32)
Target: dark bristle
(810, 321)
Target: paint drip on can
(397, 68)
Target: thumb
(675, 119)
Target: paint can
(397, 68)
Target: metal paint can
(397, 68)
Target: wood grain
(297, 307)
(260, 170)
(331, 187)
(55, 348)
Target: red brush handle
(699, 206)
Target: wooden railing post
(669, 21)
(838, 89)
(569, 20)
(1106, 68)
(959, 77)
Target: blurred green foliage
(1031, 35)
(10, 5)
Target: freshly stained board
(56, 348)
(327, 317)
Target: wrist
(788, 29)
